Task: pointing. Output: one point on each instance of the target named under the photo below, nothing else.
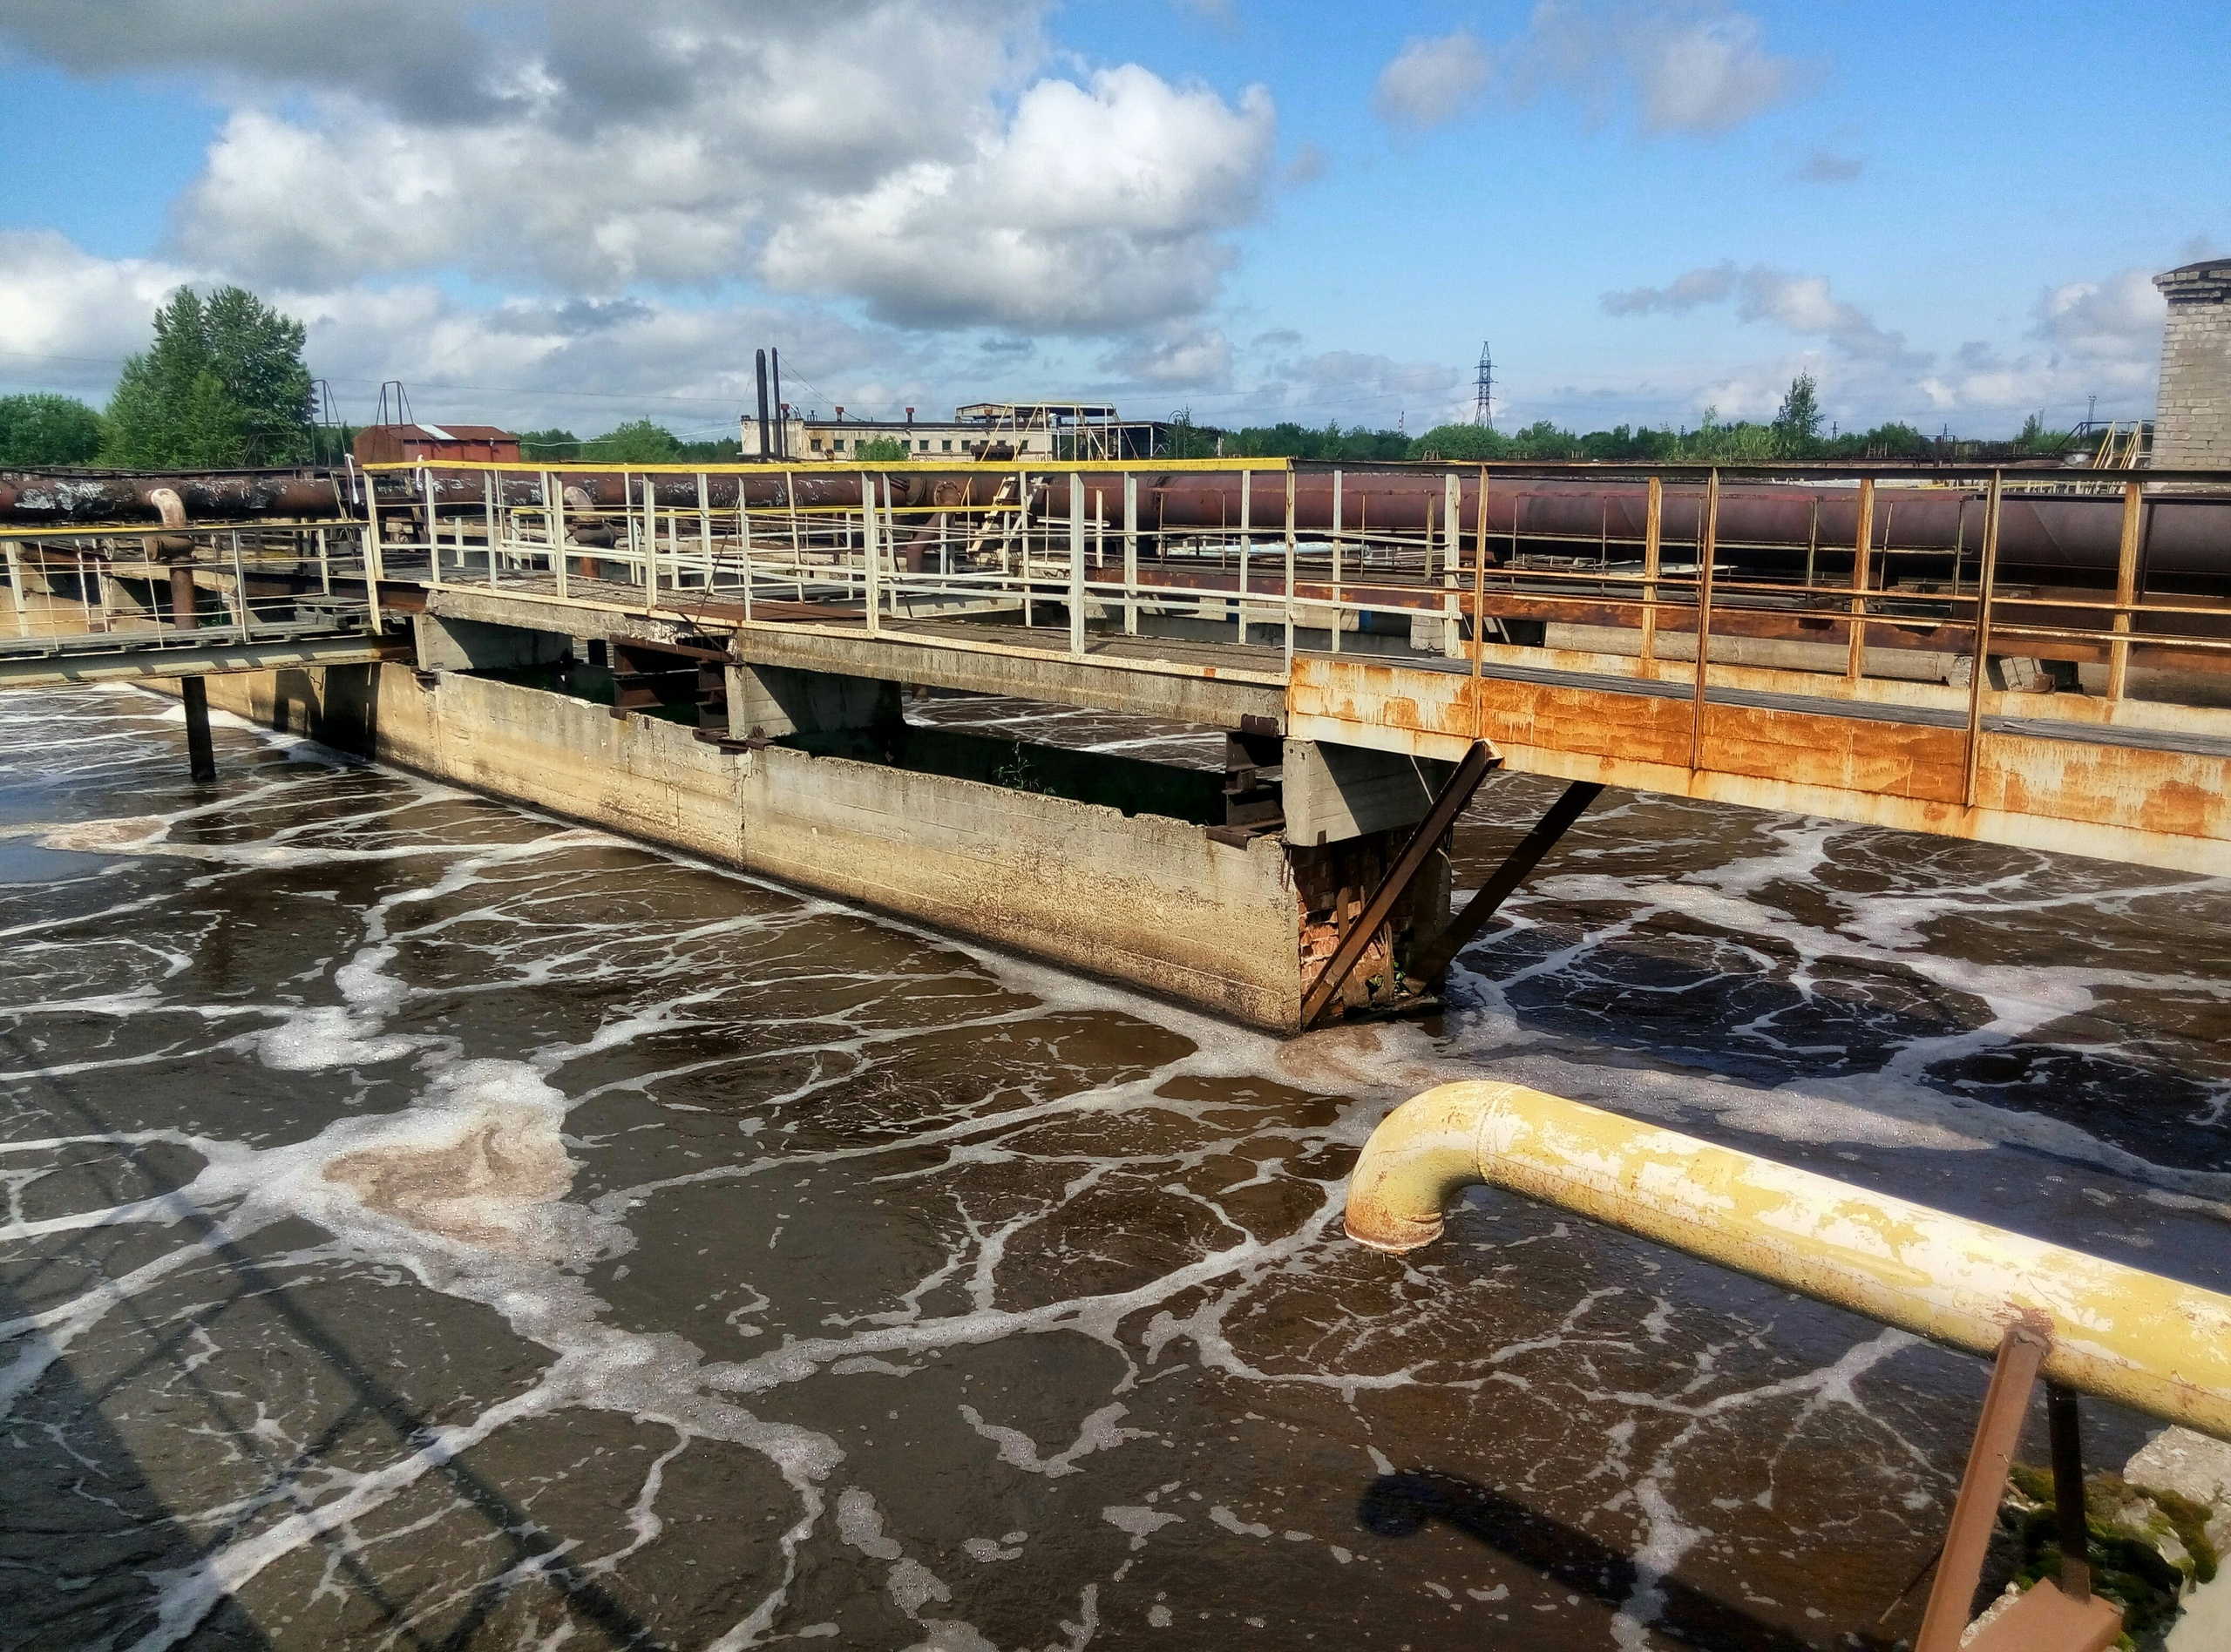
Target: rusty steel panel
(2123, 802)
(2171, 793)
(1843, 753)
(1642, 729)
(1421, 714)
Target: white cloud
(1708, 286)
(1431, 80)
(68, 318)
(1694, 66)
(1182, 358)
(1800, 303)
(2115, 320)
(912, 154)
(1098, 210)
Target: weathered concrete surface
(1134, 687)
(775, 700)
(1145, 901)
(473, 645)
(1333, 793)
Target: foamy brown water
(431, 1225)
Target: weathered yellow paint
(2153, 1344)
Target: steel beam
(1429, 963)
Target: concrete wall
(1146, 901)
(2192, 423)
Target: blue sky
(579, 211)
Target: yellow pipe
(2150, 1342)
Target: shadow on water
(88, 1533)
(1400, 1505)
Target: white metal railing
(79, 589)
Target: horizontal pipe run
(2155, 1345)
(2186, 534)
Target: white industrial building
(1084, 430)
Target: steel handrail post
(1290, 575)
(1863, 552)
(869, 572)
(2125, 590)
(1653, 550)
(433, 531)
(1130, 553)
(372, 552)
(1707, 551)
(1480, 616)
(1076, 564)
(1337, 479)
(1246, 531)
(1984, 591)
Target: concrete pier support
(200, 754)
(194, 693)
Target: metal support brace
(1975, 1511)
(1407, 865)
(1434, 960)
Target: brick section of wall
(2192, 424)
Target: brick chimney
(2192, 423)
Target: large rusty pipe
(2158, 1345)
(2186, 535)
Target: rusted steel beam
(1428, 965)
(1974, 1510)
(1407, 865)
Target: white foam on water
(468, 1190)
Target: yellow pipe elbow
(2154, 1343)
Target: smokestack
(910, 416)
(2192, 425)
(782, 417)
(764, 450)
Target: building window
(948, 447)
(816, 444)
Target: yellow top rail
(823, 467)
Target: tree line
(1794, 432)
(224, 385)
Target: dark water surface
(432, 1225)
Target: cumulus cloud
(2115, 320)
(1695, 66)
(68, 318)
(1710, 286)
(1349, 385)
(1800, 303)
(918, 156)
(1097, 210)
(1180, 358)
(1431, 80)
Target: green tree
(881, 449)
(1797, 424)
(39, 429)
(638, 441)
(223, 385)
(562, 447)
(1461, 443)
